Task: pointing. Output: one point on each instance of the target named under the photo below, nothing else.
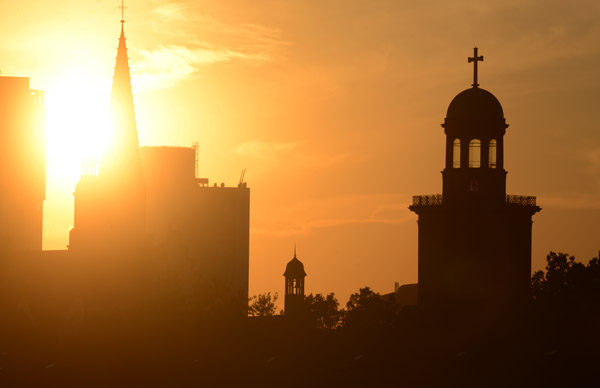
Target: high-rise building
(22, 165)
(474, 240)
(199, 232)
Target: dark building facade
(22, 165)
(474, 240)
(201, 231)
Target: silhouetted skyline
(338, 126)
(146, 228)
(154, 287)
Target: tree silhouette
(262, 305)
(566, 282)
(367, 308)
(323, 311)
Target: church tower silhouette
(474, 240)
(110, 202)
(294, 286)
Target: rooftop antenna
(122, 7)
(196, 147)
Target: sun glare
(76, 124)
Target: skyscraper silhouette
(200, 232)
(22, 165)
(474, 240)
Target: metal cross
(475, 59)
(122, 8)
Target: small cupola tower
(475, 128)
(294, 286)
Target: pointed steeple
(121, 87)
(110, 208)
(122, 155)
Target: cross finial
(122, 8)
(294, 250)
(475, 59)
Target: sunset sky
(333, 107)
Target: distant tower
(474, 240)
(294, 286)
(110, 206)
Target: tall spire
(294, 250)
(110, 208)
(121, 87)
(123, 149)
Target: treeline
(565, 286)
(364, 308)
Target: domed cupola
(475, 113)
(475, 128)
(294, 268)
(475, 104)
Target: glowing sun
(76, 123)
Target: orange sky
(333, 107)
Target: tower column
(449, 152)
(464, 152)
(500, 153)
(485, 152)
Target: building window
(475, 153)
(492, 162)
(456, 154)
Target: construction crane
(242, 184)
